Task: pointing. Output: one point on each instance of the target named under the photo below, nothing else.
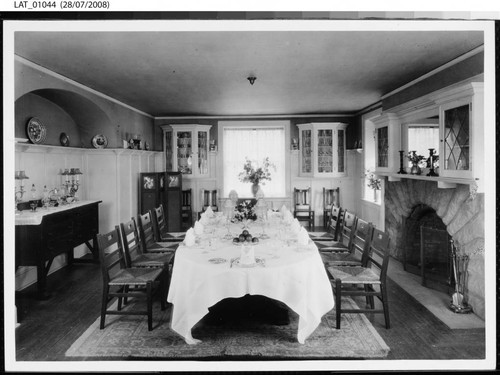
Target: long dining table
(212, 269)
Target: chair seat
(332, 246)
(354, 275)
(340, 259)
(152, 260)
(137, 276)
(163, 247)
(172, 236)
(321, 236)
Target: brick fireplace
(461, 214)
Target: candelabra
(401, 167)
(20, 175)
(431, 161)
(72, 181)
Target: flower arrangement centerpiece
(417, 162)
(373, 181)
(245, 211)
(256, 174)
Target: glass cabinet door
(202, 152)
(457, 139)
(306, 153)
(325, 151)
(185, 152)
(383, 147)
(169, 147)
(340, 150)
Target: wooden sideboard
(42, 235)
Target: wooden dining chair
(334, 226)
(135, 256)
(357, 249)
(344, 243)
(160, 229)
(147, 236)
(303, 206)
(372, 274)
(208, 199)
(331, 198)
(122, 282)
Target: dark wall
(468, 68)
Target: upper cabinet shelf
(186, 149)
(322, 149)
(459, 111)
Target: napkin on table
(189, 240)
(288, 217)
(283, 209)
(295, 226)
(303, 237)
(208, 212)
(204, 219)
(198, 228)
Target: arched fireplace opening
(427, 250)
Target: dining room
(293, 193)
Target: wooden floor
(48, 328)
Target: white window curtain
(421, 138)
(256, 144)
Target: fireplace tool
(460, 263)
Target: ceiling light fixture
(251, 79)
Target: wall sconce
(251, 79)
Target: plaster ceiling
(204, 73)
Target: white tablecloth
(292, 274)
(28, 217)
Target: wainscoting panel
(109, 175)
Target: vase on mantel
(375, 195)
(255, 189)
(415, 169)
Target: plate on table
(99, 141)
(217, 260)
(259, 262)
(36, 131)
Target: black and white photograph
(329, 200)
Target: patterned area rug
(127, 337)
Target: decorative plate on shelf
(36, 130)
(99, 141)
(64, 139)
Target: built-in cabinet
(461, 139)
(322, 149)
(186, 149)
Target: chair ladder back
(302, 199)
(335, 221)
(186, 199)
(362, 236)
(160, 225)
(146, 233)
(348, 225)
(378, 257)
(110, 253)
(331, 198)
(132, 246)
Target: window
(255, 143)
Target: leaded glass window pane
(325, 151)
(306, 151)
(340, 150)
(456, 138)
(383, 147)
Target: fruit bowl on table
(245, 238)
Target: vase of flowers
(256, 174)
(374, 183)
(417, 162)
